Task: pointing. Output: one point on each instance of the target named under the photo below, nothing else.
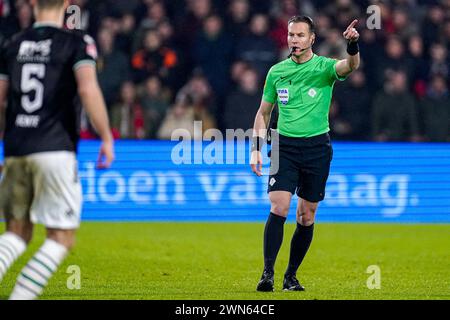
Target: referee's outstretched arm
(346, 66)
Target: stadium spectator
(439, 63)
(431, 24)
(119, 7)
(192, 23)
(323, 25)
(112, 66)
(166, 32)
(394, 112)
(207, 120)
(445, 36)
(127, 116)
(343, 11)
(349, 118)
(156, 13)
(257, 48)
(7, 19)
(386, 17)
(334, 45)
(284, 10)
(24, 17)
(435, 111)
(212, 53)
(190, 106)
(125, 36)
(5, 8)
(419, 63)
(403, 26)
(180, 116)
(155, 102)
(156, 59)
(393, 59)
(200, 96)
(241, 105)
(110, 23)
(237, 18)
(370, 51)
(261, 6)
(236, 71)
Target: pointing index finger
(353, 24)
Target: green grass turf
(224, 261)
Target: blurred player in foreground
(41, 71)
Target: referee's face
(299, 36)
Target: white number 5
(28, 84)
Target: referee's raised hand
(351, 34)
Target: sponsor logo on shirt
(32, 51)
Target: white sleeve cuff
(83, 63)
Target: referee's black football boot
(290, 283)
(266, 282)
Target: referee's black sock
(273, 237)
(299, 246)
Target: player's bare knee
(306, 214)
(307, 220)
(280, 209)
(299, 215)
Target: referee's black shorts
(300, 165)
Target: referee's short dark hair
(306, 19)
(50, 4)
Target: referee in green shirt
(302, 86)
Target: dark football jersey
(42, 113)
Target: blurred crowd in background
(164, 64)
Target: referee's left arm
(346, 66)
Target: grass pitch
(224, 261)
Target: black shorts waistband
(321, 138)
